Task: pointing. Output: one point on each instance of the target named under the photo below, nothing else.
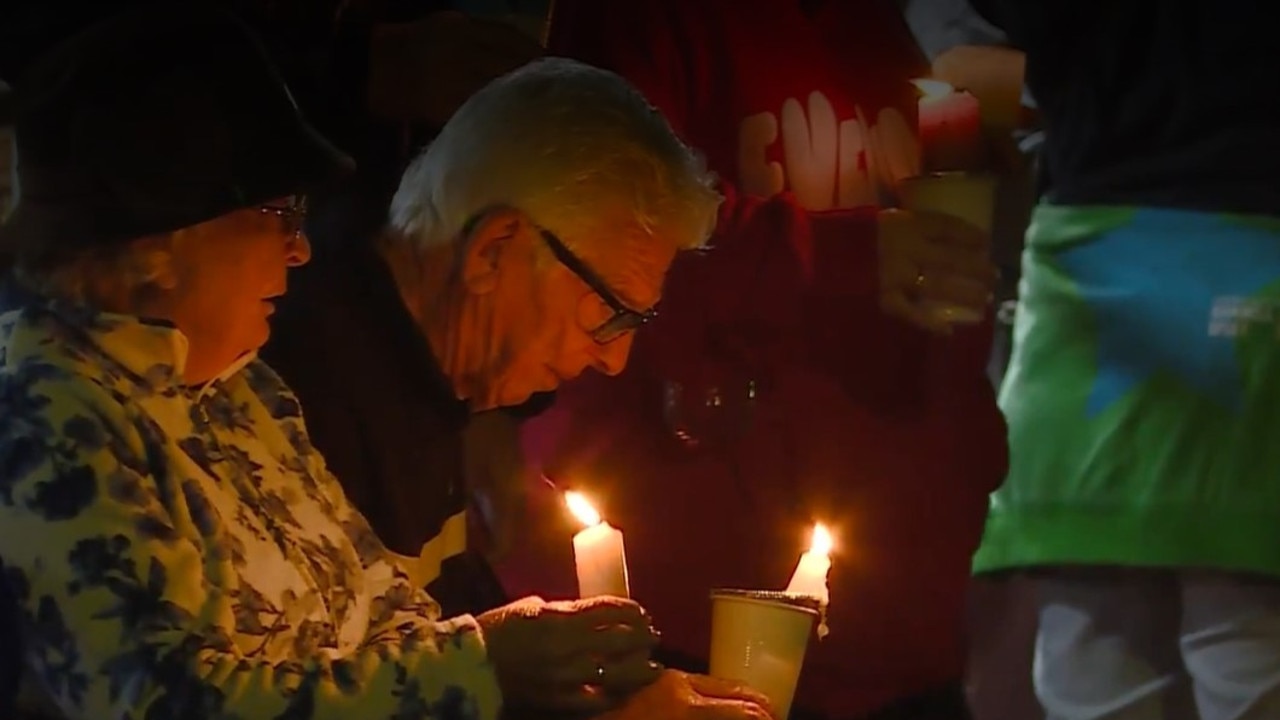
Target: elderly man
(524, 246)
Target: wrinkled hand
(928, 259)
(576, 656)
(679, 696)
(423, 71)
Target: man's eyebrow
(622, 285)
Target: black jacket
(378, 407)
(1160, 103)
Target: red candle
(950, 126)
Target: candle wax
(950, 132)
(810, 577)
(601, 562)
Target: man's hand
(679, 696)
(931, 260)
(423, 71)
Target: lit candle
(810, 577)
(598, 552)
(950, 126)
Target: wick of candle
(822, 543)
(931, 89)
(582, 509)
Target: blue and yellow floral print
(182, 553)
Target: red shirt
(890, 436)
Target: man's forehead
(633, 269)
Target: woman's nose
(298, 250)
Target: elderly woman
(172, 546)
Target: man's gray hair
(569, 145)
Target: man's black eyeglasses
(624, 319)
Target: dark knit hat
(158, 118)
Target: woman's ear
(490, 240)
(152, 261)
(133, 281)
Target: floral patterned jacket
(182, 553)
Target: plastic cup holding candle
(759, 638)
(598, 552)
(968, 196)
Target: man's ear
(491, 236)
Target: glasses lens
(617, 326)
(297, 216)
(292, 216)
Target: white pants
(1132, 644)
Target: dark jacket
(379, 408)
(1162, 104)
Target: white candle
(598, 552)
(810, 577)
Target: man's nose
(611, 358)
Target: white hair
(566, 143)
(124, 270)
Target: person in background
(170, 542)
(969, 52)
(793, 374)
(1141, 501)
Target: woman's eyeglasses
(293, 214)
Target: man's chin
(502, 397)
(514, 390)
(513, 395)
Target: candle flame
(822, 542)
(582, 509)
(933, 89)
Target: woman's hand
(929, 259)
(578, 656)
(679, 696)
